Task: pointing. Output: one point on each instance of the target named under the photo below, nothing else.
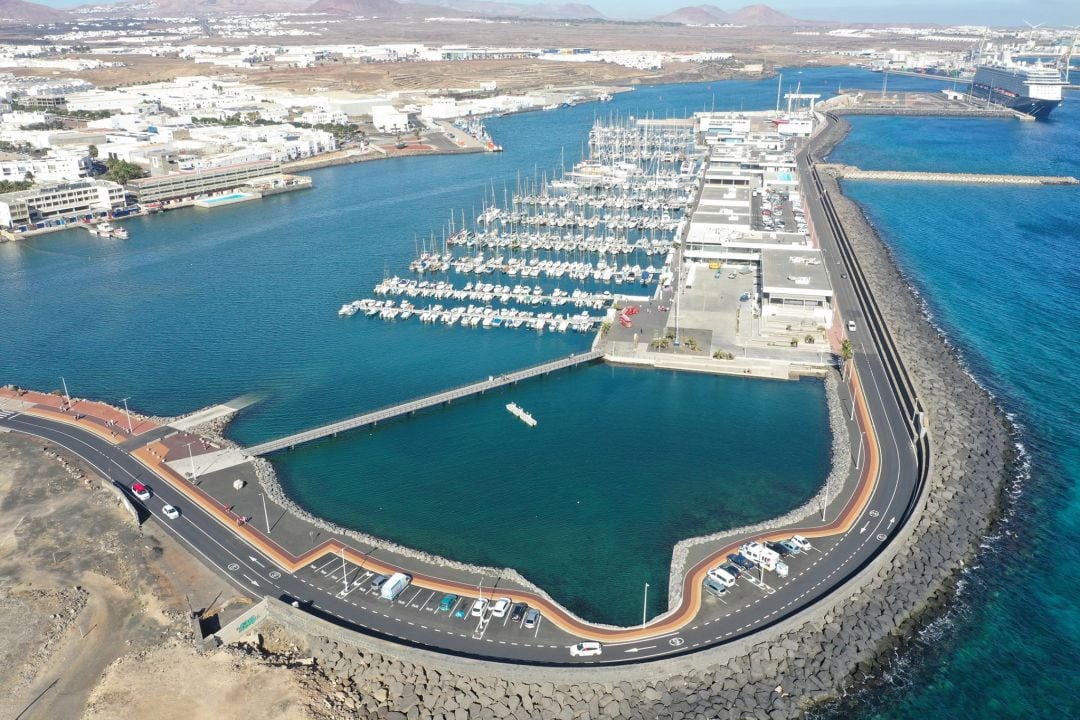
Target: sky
(968, 12)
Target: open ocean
(200, 307)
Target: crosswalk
(6, 414)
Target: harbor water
(997, 268)
(200, 307)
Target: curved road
(889, 490)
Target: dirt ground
(82, 588)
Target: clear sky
(972, 12)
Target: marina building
(795, 288)
(182, 185)
(67, 201)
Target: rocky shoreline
(778, 673)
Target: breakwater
(782, 670)
(851, 172)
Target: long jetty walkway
(423, 403)
(855, 173)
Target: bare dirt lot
(81, 588)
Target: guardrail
(411, 406)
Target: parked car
(731, 569)
(377, 582)
(532, 617)
(778, 548)
(170, 512)
(722, 576)
(714, 587)
(447, 602)
(802, 542)
(742, 561)
(585, 649)
(518, 613)
(141, 491)
(792, 547)
(500, 607)
(478, 607)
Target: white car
(141, 491)
(170, 512)
(585, 649)
(478, 607)
(800, 542)
(851, 326)
(500, 607)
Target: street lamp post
(127, 413)
(645, 605)
(191, 457)
(862, 439)
(66, 393)
(266, 515)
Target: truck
(760, 554)
(394, 586)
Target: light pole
(862, 439)
(265, 514)
(128, 414)
(344, 575)
(66, 393)
(645, 605)
(194, 476)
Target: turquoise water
(999, 271)
(197, 308)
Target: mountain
(186, 8)
(696, 15)
(759, 15)
(367, 8)
(28, 12)
(537, 11)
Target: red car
(141, 491)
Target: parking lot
(420, 607)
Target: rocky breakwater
(777, 673)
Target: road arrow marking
(863, 528)
(891, 521)
(639, 649)
(250, 580)
(255, 561)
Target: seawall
(782, 670)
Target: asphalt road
(340, 591)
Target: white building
(63, 167)
(65, 201)
(389, 119)
(441, 108)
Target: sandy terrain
(81, 587)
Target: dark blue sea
(198, 308)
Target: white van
(721, 575)
(393, 587)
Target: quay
(423, 403)
(854, 173)
(957, 104)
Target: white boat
(120, 233)
(102, 229)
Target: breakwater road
(854, 173)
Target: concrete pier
(412, 406)
(854, 173)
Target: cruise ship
(1033, 89)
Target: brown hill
(696, 15)
(533, 11)
(761, 15)
(758, 15)
(17, 11)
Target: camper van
(393, 587)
